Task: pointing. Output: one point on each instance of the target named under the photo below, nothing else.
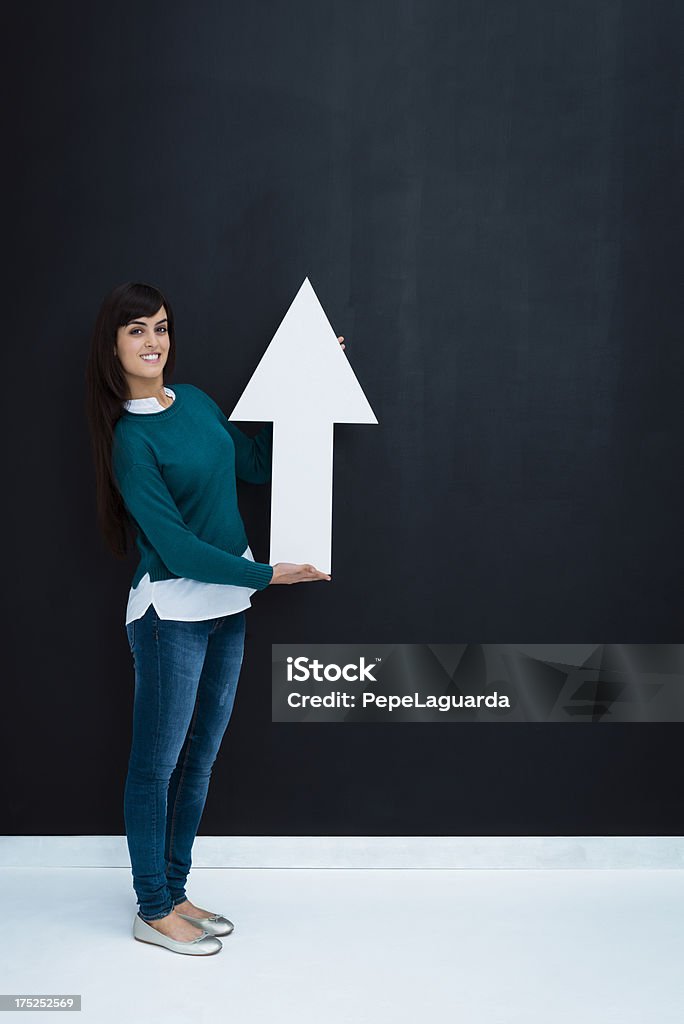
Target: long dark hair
(107, 389)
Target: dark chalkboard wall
(487, 198)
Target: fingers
(315, 573)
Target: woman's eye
(163, 329)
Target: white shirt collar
(147, 404)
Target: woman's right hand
(290, 572)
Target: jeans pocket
(130, 633)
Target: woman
(166, 461)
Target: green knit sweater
(176, 470)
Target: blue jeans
(186, 676)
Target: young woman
(166, 462)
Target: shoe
(215, 925)
(204, 945)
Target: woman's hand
(291, 572)
(340, 338)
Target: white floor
(579, 946)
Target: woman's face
(144, 336)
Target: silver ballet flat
(215, 925)
(204, 945)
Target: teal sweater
(176, 471)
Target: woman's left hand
(340, 338)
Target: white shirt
(184, 599)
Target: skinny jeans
(186, 676)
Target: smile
(152, 357)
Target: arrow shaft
(301, 493)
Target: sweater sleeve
(253, 455)
(151, 505)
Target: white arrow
(304, 384)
